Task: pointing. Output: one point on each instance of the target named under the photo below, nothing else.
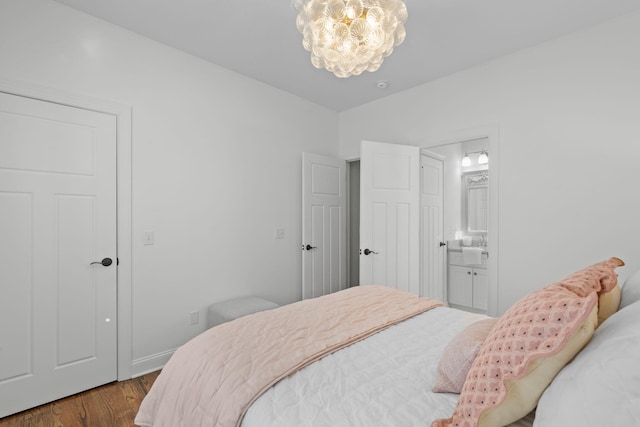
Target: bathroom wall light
(483, 158)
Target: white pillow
(601, 387)
(630, 290)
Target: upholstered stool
(225, 311)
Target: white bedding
(384, 380)
(601, 387)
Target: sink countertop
(455, 246)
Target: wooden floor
(112, 405)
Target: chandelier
(352, 36)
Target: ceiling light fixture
(352, 36)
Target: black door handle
(309, 247)
(105, 261)
(369, 251)
(442, 244)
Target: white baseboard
(152, 363)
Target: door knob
(369, 251)
(105, 261)
(309, 247)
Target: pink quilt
(213, 379)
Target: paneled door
(323, 225)
(390, 216)
(57, 251)
(433, 245)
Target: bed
(383, 372)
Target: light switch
(279, 233)
(148, 238)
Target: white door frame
(124, 205)
(492, 133)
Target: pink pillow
(528, 345)
(599, 278)
(459, 354)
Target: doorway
(452, 201)
(430, 251)
(455, 221)
(353, 222)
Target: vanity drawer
(455, 258)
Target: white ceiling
(258, 38)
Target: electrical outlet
(195, 317)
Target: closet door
(390, 216)
(58, 281)
(324, 205)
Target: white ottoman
(225, 311)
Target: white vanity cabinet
(468, 285)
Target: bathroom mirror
(475, 200)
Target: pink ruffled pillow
(528, 346)
(459, 354)
(602, 279)
(599, 278)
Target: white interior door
(57, 216)
(390, 215)
(323, 225)
(433, 249)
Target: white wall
(216, 163)
(216, 156)
(568, 116)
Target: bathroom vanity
(468, 284)
(467, 278)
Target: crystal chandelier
(351, 36)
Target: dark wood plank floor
(112, 405)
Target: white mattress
(385, 380)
